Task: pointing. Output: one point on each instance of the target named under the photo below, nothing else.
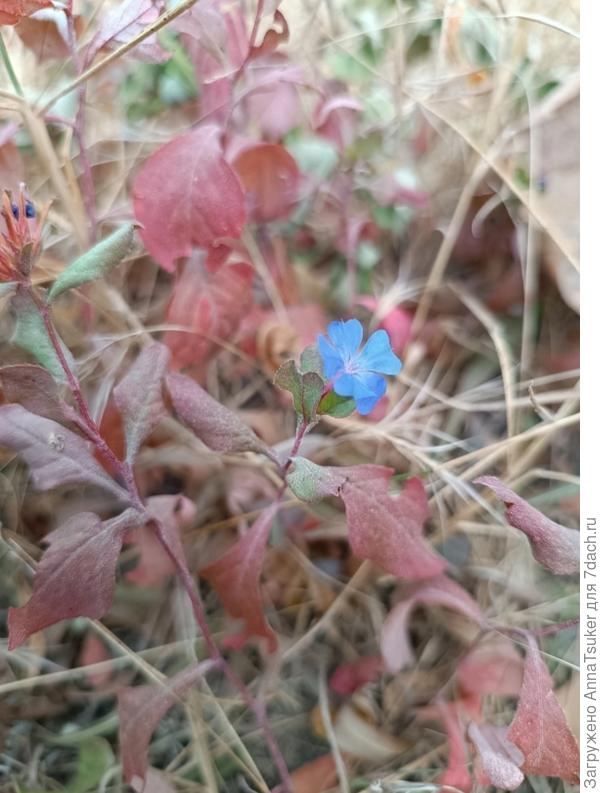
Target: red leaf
(492, 667)
(395, 640)
(186, 194)
(386, 529)
(457, 774)
(216, 426)
(389, 530)
(236, 577)
(139, 396)
(123, 23)
(540, 728)
(140, 710)
(54, 454)
(34, 388)
(500, 759)
(554, 546)
(155, 566)
(348, 678)
(11, 11)
(271, 178)
(76, 576)
(211, 306)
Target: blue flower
(355, 373)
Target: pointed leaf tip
(216, 426)
(554, 546)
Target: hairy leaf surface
(139, 396)
(76, 576)
(54, 454)
(216, 426)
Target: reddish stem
(255, 705)
(126, 471)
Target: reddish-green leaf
(236, 578)
(386, 529)
(554, 546)
(54, 454)
(76, 576)
(185, 195)
(540, 728)
(140, 710)
(216, 426)
(139, 396)
(33, 388)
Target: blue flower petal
(365, 406)
(332, 362)
(367, 384)
(368, 392)
(346, 336)
(378, 356)
(344, 385)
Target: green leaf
(95, 758)
(312, 390)
(337, 406)
(30, 334)
(96, 263)
(311, 482)
(311, 361)
(306, 388)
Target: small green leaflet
(96, 263)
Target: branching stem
(124, 469)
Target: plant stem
(303, 428)
(90, 425)
(255, 705)
(9, 68)
(125, 470)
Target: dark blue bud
(29, 210)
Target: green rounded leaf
(96, 263)
(337, 406)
